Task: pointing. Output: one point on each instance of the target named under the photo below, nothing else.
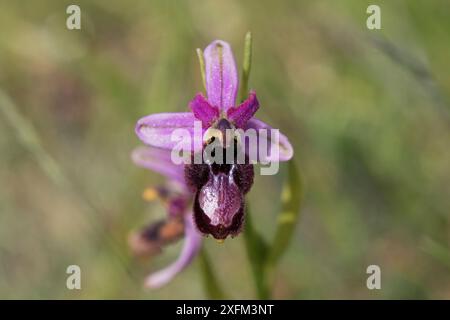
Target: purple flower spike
(216, 187)
(221, 75)
(203, 111)
(216, 190)
(244, 112)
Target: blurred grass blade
(419, 69)
(246, 66)
(437, 250)
(28, 137)
(201, 60)
(291, 201)
(257, 253)
(210, 282)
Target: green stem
(201, 60)
(256, 247)
(210, 282)
(291, 198)
(257, 252)
(246, 66)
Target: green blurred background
(368, 113)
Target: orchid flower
(218, 189)
(151, 239)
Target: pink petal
(244, 112)
(203, 111)
(191, 246)
(157, 130)
(281, 151)
(221, 75)
(158, 160)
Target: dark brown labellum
(219, 196)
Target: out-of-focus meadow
(368, 113)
